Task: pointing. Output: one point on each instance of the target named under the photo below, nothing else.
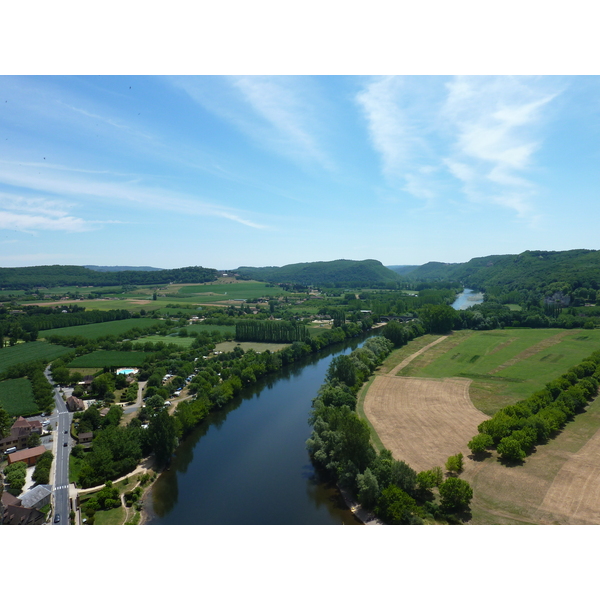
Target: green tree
(5, 422)
(396, 507)
(480, 443)
(455, 463)
(161, 437)
(456, 494)
(368, 488)
(33, 440)
(510, 449)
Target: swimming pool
(126, 371)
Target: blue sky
(225, 171)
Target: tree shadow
(480, 456)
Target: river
(248, 464)
(466, 299)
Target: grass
(247, 289)
(16, 397)
(22, 353)
(505, 365)
(96, 330)
(109, 358)
(256, 346)
(185, 342)
(223, 329)
(75, 465)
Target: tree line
(270, 331)
(340, 445)
(515, 430)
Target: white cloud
(397, 124)
(495, 123)
(276, 112)
(78, 187)
(26, 222)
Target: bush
(456, 494)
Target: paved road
(61, 422)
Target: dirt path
(412, 357)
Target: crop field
(96, 330)
(16, 397)
(432, 414)
(22, 353)
(109, 358)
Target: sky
(228, 171)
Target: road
(61, 422)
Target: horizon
(165, 170)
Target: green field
(231, 291)
(256, 346)
(96, 330)
(505, 365)
(109, 358)
(16, 397)
(22, 353)
(222, 329)
(184, 342)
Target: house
(74, 404)
(20, 515)
(29, 456)
(19, 433)
(37, 497)
(104, 412)
(85, 438)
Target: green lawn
(185, 342)
(506, 365)
(21, 353)
(96, 330)
(16, 397)
(109, 358)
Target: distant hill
(335, 273)
(114, 269)
(402, 269)
(530, 270)
(62, 275)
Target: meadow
(96, 330)
(505, 365)
(256, 346)
(16, 397)
(109, 358)
(22, 353)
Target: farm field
(222, 329)
(245, 289)
(425, 419)
(96, 330)
(109, 358)
(16, 397)
(22, 353)
(505, 365)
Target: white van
(10, 450)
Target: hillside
(402, 270)
(336, 272)
(530, 270)
(63, 275)
(115, 269)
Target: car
(57, 519)
(66, 432)
(65, 444)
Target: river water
(248, 464)
(466, 299)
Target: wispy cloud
(495, 123)
(72, 188)
(275, 112)
(398, 131)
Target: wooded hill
(18, 278)
(530, 270)
(335, 272)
